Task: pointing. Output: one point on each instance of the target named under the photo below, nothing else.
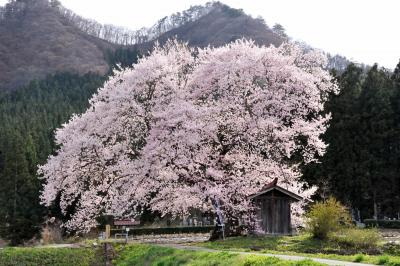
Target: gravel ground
(169, 238)
(390, 235)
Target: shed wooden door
(275, 215)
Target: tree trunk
(219, 230)
(375, 207)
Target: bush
(327, 217)
(382, 260)
(392, 248)
(393, 262)
(359, 258)
(359, 239)
(253, 260)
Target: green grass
(139, 255)
(302, 245)
(49, 257)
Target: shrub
(253, 260)
(393, 262)
(327, 217)
(392, 249)
(382, 260)
(359, 258)
(359, 239)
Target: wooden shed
(273, 212)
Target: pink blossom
(180, 130)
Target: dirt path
(284, 257)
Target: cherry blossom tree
(192, 129)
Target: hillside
(222, 25)
(39, 37)
(36, 41)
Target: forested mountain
(40, 37)
(28, 117)
(212, 24)
(124, 36)
(222, 25)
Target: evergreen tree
(28, 118)
(396, 146)
(360, 165)
(19, 192)
(377, 138)
(337, 173)
(122, 57)
(341, 160)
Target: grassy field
(50, 257)
(138, 255)
(302, 245)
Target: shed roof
(274, 186)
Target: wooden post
(108, 231)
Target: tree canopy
(186, 129)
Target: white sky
(364, 31)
